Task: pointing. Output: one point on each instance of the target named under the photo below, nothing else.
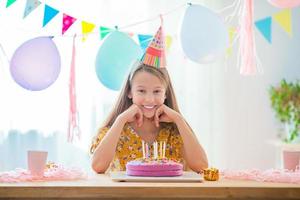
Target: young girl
(146, 110)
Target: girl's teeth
(149, 107)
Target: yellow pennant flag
(86, 29)
(231, 33)
(168, 40)
(283, 18)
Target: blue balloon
(203, 34)
(115, 56)
(35, 65)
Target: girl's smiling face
(148, 92)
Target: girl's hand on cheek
(133, 114)
(164, 114)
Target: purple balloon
(35, 65)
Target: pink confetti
(270, 175)
(59, 173)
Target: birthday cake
(154, 167)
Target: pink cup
(37, 162)
(291, 159)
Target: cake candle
(143, 149)
(160, 149)
(156, 153)
(147, 150)
(153, 145)
(164, 149)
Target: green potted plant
(285, 100)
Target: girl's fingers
(157, 115)
(139, 118)
(140, 121)
(155, 119)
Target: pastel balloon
(114, 59)
(203, 35)
(285, 3)
(35, 65)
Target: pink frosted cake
(154, 167)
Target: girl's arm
(193, 152)
(105, 151)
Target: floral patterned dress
(129, 146)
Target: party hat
(155, 52)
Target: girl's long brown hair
(124, 102)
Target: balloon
(35, 65)
(285, 3)
(203, 34)
(115, 56)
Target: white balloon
(203, 35)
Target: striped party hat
(155, 52)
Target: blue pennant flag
(264, 26)
(49, 14)
(30, 6)
(144, 40)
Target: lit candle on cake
(153, 145)
(147, 150)
(160, 149)
(156, 150)
(164, 149)
(143, 149)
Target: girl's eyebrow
(140, 86)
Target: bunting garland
(49, 14)
(104, 31)
(283, 18)
(231, 32)
(31, 5)
(86, 29)
(264, 26)
(168, 40)
(144, 40)
(10, 2)
(67, 22)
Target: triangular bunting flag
(283, 18)
(9, 2)
(264, 26)
(168, 40)
(231, 34)
(30, 6)
(144, 40)
(49, 13)
(86, 28)
(104, 31)
(67, 22)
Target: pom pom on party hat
(155, 53)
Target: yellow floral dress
(129, 146)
